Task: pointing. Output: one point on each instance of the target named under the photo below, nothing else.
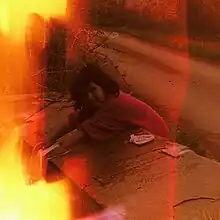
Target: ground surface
(119, 174)
(143, 180)
(16, 109)
(185, 90)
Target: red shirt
(121, 114)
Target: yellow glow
(4, 17)
(20, 201)
(14, 13)
(14, 18)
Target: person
(104, 112)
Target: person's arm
(71, 138)
(63, 129)
(74, 120)
(66, 127)
(67, 142)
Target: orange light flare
(14, 14)
(170, 11)
(14, 20)
(19, 200)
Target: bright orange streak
(14, 14)
(14, 17)
(20, 201)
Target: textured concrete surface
(82, 204)
(33, 131)
(186, 90)
(148, 183)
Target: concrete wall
(157, 10)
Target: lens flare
(14, 14)
(20, 201)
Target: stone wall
(158, 10)
(196, 14)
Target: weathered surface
(81, 203)
(33, 130)
(211, 212)
(149, 184)
(157, 10)
(186, 89)
(187, 14)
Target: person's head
(92, 86)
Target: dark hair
(91, 73)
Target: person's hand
(63, 145)
(54, 151)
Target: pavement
(81, 204)
(147, 183)
(143, 180)
(186, 90)
(21, 107)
